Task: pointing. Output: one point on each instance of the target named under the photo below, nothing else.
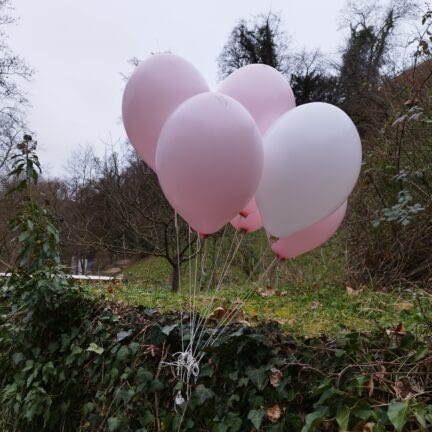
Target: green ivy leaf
(95, 348)
(17, 358)
(243, 382)
(115, 424)
(143, 376)
(156, 386)
(314, 418)
(89, 407)
(122, 335)
(76, 350)
(258, 377)
(168, 329)
(363, 411)
(421, 353)
(147, 419)
(123, 354)
(342, 417)
(126, 395)
(256, 416)
(421, 412)
(398, 414)
(233, 421)
(202, 394)
(407, 342)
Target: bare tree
(12, 100)
(372, 29)
(121, 209)
(311, 79)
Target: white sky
(79, 48)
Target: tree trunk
(175, 282)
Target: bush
(390, 222)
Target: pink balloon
(156, 88)
(209, 160)
(249, 219)
(309, 238)
(262, 90)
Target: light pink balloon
(309, 238)
(209, 160)
(156, 88)
(312, 160)
(262, 90)
(249, 219)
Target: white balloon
(312, 159)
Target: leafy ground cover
(102, 367)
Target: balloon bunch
(244, 154)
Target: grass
(307, 296)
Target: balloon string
(211, 278)
(179, 280)
(195, 284)
(185, 362)
(193, 296)
(251, 275)
(225, 269)
(245, 296)
(190, 278)
(204, 317)
(228, 320)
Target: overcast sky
(79, 48)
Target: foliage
(390, 229)
(261, 41)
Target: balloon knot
(273, 239)
(243, 214)
(203, 236)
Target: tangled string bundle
(185, 361)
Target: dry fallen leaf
(275, 377)
(353, 292)
(315, 305)
(399, 307)
(282, 321)
(224, 313)
(218, 313)
(368, 427)
(273, 413)
(381, 375)
(405, 390)
(270, 292)
(399, 330)
(273, 239)
(364, 427)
